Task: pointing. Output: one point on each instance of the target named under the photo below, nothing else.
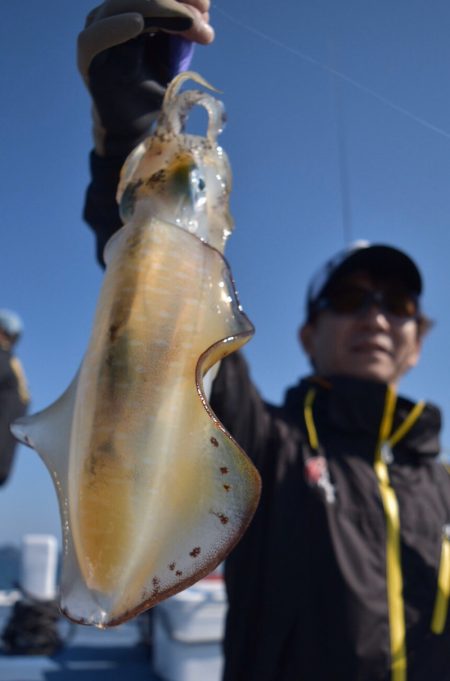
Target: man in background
(344, 571)
(32, 626)
(14, 397)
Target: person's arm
(126, 65)
(239, 406)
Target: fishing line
(334, 72)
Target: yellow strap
(386, 421)
(309, 419)
(407, 423)
(394, 577)
(441, 604)
(385, 428)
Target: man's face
(370, 343)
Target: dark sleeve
(239, 406)
(101, 211)
(12, 406)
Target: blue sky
(295, 81)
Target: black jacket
(307, 585)
(13, 403)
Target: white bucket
(188, 633)
(39, 563)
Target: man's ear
(415, 353)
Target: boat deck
(116, 654)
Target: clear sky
(300, 80)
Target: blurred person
(14, 397)
(32, 626)
(344, 572)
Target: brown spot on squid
(222, 517)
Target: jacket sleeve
(101, 211)
(239, 406)
(13, 404)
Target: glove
(126, 65)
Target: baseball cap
(378, 259)
(11, 323)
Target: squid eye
(198, 188)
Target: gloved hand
(126, 64)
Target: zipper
(440, 610)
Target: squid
(152, 490)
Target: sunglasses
(356, 299)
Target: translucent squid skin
(153, 492)
(182, 179)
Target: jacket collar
(350, 406)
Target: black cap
(377, 259)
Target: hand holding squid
(127, 53)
